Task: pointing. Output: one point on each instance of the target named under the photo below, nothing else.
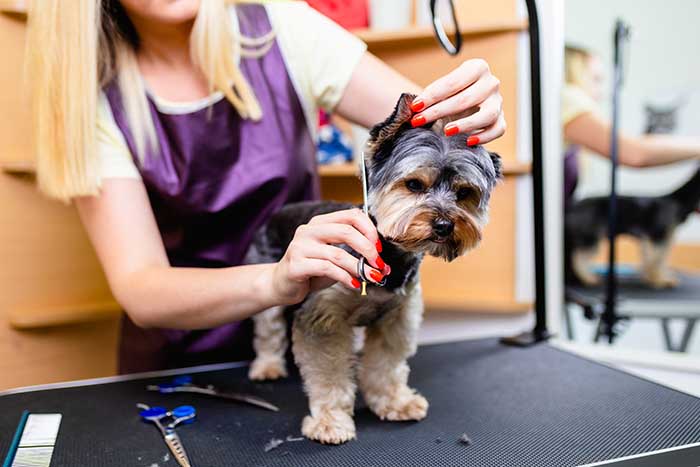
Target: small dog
(651, 220)
(428, 194)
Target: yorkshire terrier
(651, 220)
(427, 194)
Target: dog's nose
(443, 227)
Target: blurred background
(58, 320)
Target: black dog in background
(651, 220)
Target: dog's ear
(387, 130)
(497, 164)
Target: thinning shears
(184, 384)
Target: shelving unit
(54, 280)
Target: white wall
(663, 62)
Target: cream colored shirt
(575, 102)
(320, 57)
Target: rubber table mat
(537, 406)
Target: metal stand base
(526, 339)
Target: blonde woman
(584, 127)
(178, 127)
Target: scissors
(184, 384)
(159, 415)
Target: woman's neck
(165, 62)
(163, 43)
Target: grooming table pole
(609, 317)
(539, 333)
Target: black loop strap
(363, 277)
(443, 38)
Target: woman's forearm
(652, 150)
(195, 298)
(594, 133)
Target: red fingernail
(375, 275)
(379, 246)
(380, 263)
(451, 130)
(417, 106)
(355, 283)
(472, 141)
(417, 120)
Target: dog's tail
(688, 194)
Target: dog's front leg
(322, 342)
(270, 344)
(655, 270)
(383, 371)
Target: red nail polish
(379, 246)
(355, 283)
(417, 120)
(472, 141)
(380, 263)
(451, 130)
(375, 275)
(417, 106)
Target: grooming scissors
(361, 262)
(159, 416)
(184, 384)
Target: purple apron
(215, 180)
(570, 172)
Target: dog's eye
(415, 185)
(464, 193)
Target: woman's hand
(470, 91)
(312, 262)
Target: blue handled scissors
(184, 384)
(160, 416)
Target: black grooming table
(632, 287)
(537, 406)
(640, 301)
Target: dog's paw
(590, 280)
(267, 369)
(411, 407)
(329, 427)
(667, 281)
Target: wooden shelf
(351, 170)
(426, 33)
(23, 168)
(370, 36)
(13, 7)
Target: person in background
(179, 127)
(584, 127)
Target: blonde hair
(576, 64)
(73, 51)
